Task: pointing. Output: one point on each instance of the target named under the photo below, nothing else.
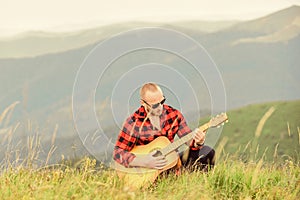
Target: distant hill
(281, 131)
(281, 26)
(270, 23)
(35, 43)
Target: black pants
(202, 159)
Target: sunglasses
(155, 105)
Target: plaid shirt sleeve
(184, 130)
(125, 143)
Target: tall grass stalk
(288, 127)
(298, 134)
(258, 131)
(26, 152)
(7, 112)
(220, 149)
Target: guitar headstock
(218, 120)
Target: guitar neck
(175, 145)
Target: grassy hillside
(231, 178)
(280, 133)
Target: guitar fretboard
(176, 144)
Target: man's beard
(154, 116)
(157, 111)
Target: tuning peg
(226, 121)
(222, 124)
(218, 126)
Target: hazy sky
(61, 15)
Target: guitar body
(139, 176)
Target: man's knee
(203, 157)
(207, 155)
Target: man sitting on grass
(153, 119)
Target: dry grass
(32, 178)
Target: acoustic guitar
(137, 177)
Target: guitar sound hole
(157, 153)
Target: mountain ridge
(43, 43)
(270, 23)
(37, 43)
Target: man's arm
(125, 143)
(198, 138)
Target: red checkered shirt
(138, 131)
